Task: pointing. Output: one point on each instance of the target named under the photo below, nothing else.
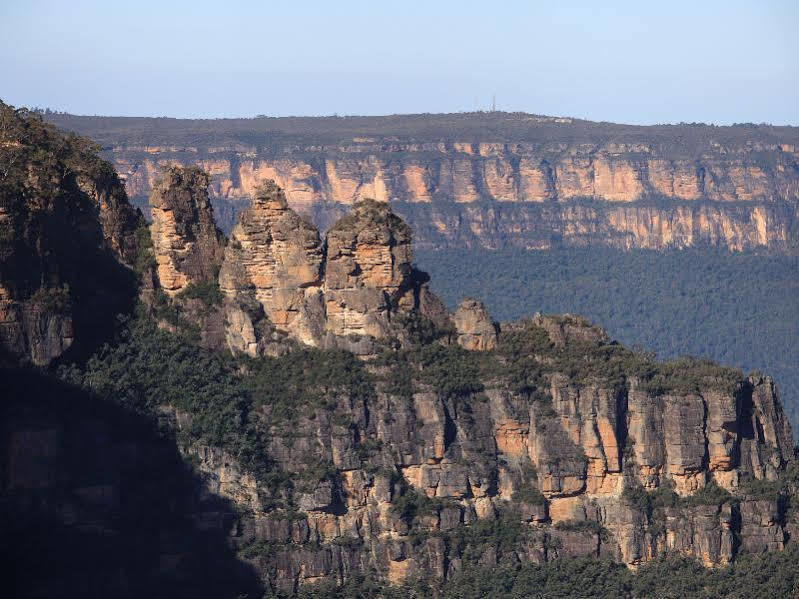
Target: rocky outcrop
(568, 329)
(367, 271)
(549, 442)
(476, 330)
(186, 243)
(275, 260)
(343, 292)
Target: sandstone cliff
(459, 442)
(67, 240)
(186, 242)
(736, 187)
(275, 259)
(584, 464)
(474, 325)
(340, 292)
(592, 449)
(367, 271)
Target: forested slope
(739, 309)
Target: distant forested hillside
(739, 309)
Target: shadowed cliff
(97, 502)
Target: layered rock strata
(550, 442)
(186, 242)
(340, 292)
(500, 171)
(275, 260)
(572, 470)
(367, 270)
(737, 187)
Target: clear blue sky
(638, 62)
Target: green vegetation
(770, 490)
(762, 576)
(683, 140)
(145, 258)
(53, 299)
(649, 501)
(738, 309)
(148, 370)
(527, 493)
(585, 526)
(710, 494)
(410, 505)
(207, 291)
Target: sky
(638, 62)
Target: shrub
(710, 494)
(208, 291)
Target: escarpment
(496, 180)
(622, 457)
(365, 430)
(457, 423)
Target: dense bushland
(763, 576)
(738, 309)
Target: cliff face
(368, 270)
(730, 186)
(274, 259)
(500, 171)
(97, 503)
(342, 292)
(186, 242)
(457, 442)
(583, 446)
(502, 194)
(475, 328)
(67, 239)
(601, 469)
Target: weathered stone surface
(734, 188)
(344, 292)
(186, 242)
(476, 330)
(367, 270)
(703, 531)
(557, 458)
(567, 329)
(275, 258)
(760, 525)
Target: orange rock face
(348, 287)
(275, 257)
(315, 178)
(368, 265)
(476, 330)
(186, 242)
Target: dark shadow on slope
(94, 502)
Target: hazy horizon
(713, 62)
